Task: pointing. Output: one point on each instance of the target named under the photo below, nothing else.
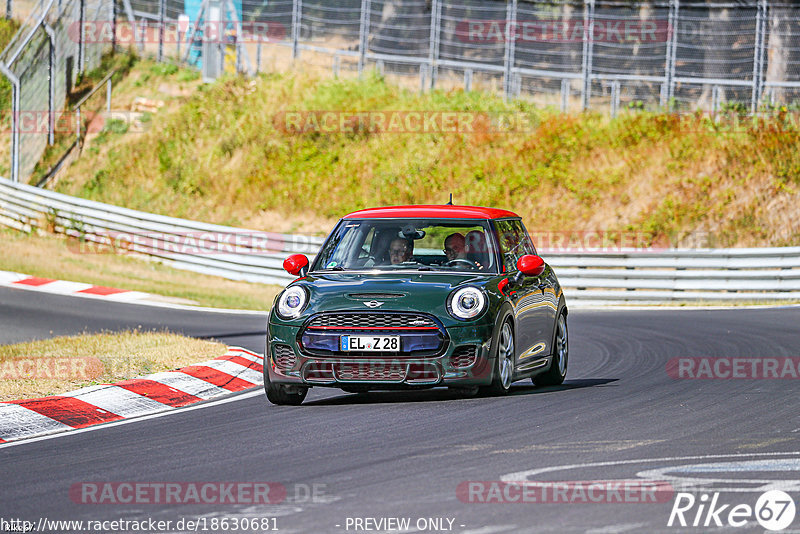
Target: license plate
(371, 343)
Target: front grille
(283, 356)
(370, 371)
(354, 321)
(464, 356)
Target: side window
(514, 242)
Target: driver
(400, 250)
(455, 247)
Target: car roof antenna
(450, 202)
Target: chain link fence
(44, 61)
(676, 55)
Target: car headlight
(292, 302)
(466, 303)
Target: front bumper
(463, 361)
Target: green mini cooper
(413, 297)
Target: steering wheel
(469, 263)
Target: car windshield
(419, 244)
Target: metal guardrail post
(297, 19)
(510, 35)
(588, 50)
(565, 86)
(467, 80)
(363, 34)
(9, 12)
(162, 15)
(433, 45)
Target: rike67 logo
(774, 510)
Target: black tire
(282, 395)
(558, 365)
(503, 371)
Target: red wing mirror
(296, 264)
(530, 265)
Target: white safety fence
(635, 276)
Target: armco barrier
(25, 207)
(636, 276)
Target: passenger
(455, 247)
(400, 250)
(477, 249)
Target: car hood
(386, 291)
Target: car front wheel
(504, 361)
(558, 367)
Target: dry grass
(56, 257)
(221, 156)
(53, 366)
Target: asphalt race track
(404, 454)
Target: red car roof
(436, 211)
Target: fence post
(9, 6)
(669, 66)
(715, 101)
(363, 34)
(758, 54)
(433, 49)
(81, 36)
(565, 86)
(241, 49)
(51, 89)
(467, 80)
(113, 15)
(162, 8)
(15, 87)
(297, 19)
(510, 47)
(615, 87)
(588, 50)
(336, 65)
